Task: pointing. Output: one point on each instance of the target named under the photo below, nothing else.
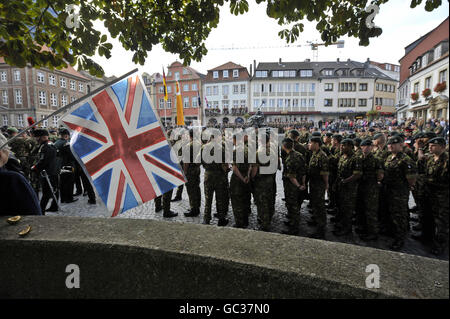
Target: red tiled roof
(227, 66)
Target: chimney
(308, 60)
(254, 66)
(251, 71)
(279, 61)
(337, 60)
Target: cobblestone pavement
(147, 211)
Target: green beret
(64, 131)
(316, 139)
(294, 132)
(395, 140)
(329, 134)
(437, 140)
(12, 130)
(418, 135)
(371, 129)
(337, 137)
(316, 134)
(393, 133)
(357, 141)
(347, 141)
(40, 132)
(377, 136)
(366, 142)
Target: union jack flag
(119, 139)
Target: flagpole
(69, 106)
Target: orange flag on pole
(180, 116)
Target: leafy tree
(27, 27)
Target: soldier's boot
(194, 212)
(397, 244)
(222, 222)
(170, 214)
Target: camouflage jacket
(371, 166)
(382, 154)
(348, 166)
(318, 165)
(436, 172)
(295, 166)
(21, 147)
(397, 169)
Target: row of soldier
(368, 179)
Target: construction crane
(315, 47)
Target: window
(261, 74)
(169, 89)
(18, 93)
(225, 73)
(186, 102)
(177, 76)
(311, 102)
(243, 103)
(45, 123)
(243, 89)
(194, 101)
(288, 87)
(5, 120)
(161, 103)
(362, 102)
(208, 90)
(72, 85)
(363, 86)
(328, 102)
(263, 87)
(235, 103)
(280, 102)
(292, 74)
(215, 90)
(185, 71)
(169, 103)
(346, 102)
(305, 73)
(235, 73)
(16, 75)
(161, 89)
(53, 99)
(225, 90)
(287, 102)
(55, 120)
(416, 87)
(5, 97)
(437, 52)
(225, 103)
(62, 82)
(272, 102)
(235, 89)
(328, 72)
(303, 102)
(194, 87)
(303, 88)
(3, 76)
(313, 87)
(52, 79)
(275, 74)
(295, 102)
(296, 87)
(20, 120)
(42, 98)
(215, 74)
(63, 99)
(40, 77)
(80, 87)
(328, 86)
(347, 87)
(443, 76)
(280, 87)
(428, 82)
(185, 87)
(256, 103)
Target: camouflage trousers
(240, 201)
(216, 182)
(397, 207)
(166, 198)
(193, 188)
(294, 198)
(331, 193)
(421, 199)
(367, 206)
(438, 207)
(264, 194)
(317, 200)
(346, 200)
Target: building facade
(424, 68)
(226, 97)
(190, 82)
(37, 93)
(320, 91)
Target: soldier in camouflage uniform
(381, 152)
(264, 186)
(21, 147)
(368, 191)
(348, 173)
(294, 173)
(192, 173)
(304, 136)
(240, 191)
(400, 177)
(437, 192)
(215, 181)
(335, 154)
(318, 183)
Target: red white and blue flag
(119, 140)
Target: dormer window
(305, 73)
(437, 52)
(261, 74)
(235, 73)
(225, 73)
(327, 72)
(215, 74)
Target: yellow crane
(315, 47)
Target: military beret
(337, 137)
(418, 135)
(377, 136)
(437, 140)
(316, 139)
(64, 131)
(366, 142)
(347, 141)
(357, 141)
(12, 130)
(371, 129)
(294, 132)
(429, 135)
(40, 132)
(317, 134)
(329, 134)
(351, 135)
(395, 140)
(393, 133)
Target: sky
(401, 25)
